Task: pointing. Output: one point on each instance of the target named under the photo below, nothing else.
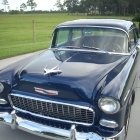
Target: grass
(16, 34)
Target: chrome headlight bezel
(1, 87)
(108, 108)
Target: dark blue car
(81, 88)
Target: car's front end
(71, 91)
(66, 104)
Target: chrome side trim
(127, 95)
(29, 97)
(52, 132)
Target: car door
(134, 59)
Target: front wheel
(128, 111)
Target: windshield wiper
(72, 47)
(94, 48)
(75, 47)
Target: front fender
(8, 76)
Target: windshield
(106, 39)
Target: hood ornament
(53, 70)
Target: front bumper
(51, 132)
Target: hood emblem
(53, 70)
(47, 92)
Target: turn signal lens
(108, 123)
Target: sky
(41, 4)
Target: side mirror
(137, 31)
(138, 42)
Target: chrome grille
(52, 110)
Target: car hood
(80, 72)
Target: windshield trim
(84, 50)
(129, 53)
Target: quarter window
(133, 38)
(132, 41)
(62, 36)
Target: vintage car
(81, 88)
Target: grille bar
(52, 110)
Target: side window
(135, 35)
(62, 36)
(76, 34)
(132, 40)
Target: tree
(5, 2)
(23, 7)
(88, 5)
(117, 7)
(31, 3)
(137, 19)
(8, 8)
(71, 5)
(59, 5)
(1, 11)
(124, 4)
(34, 5)
(14, 12)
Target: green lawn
(16, 35)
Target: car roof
(112, 23)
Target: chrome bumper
(50, 132)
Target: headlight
(1, 87)
(109, 105)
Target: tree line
(102, 7)
(30, 3)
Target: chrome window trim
(127, 33)
(130, 31)
(135, 45)
(50, 101)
